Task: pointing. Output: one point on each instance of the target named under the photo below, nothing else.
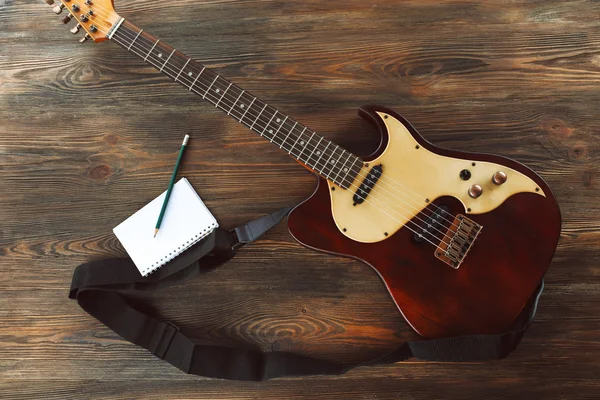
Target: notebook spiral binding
(180, 249)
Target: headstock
(95, 17)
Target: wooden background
(88, 134)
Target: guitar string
(417, 199)
(379, 209)
(393, 210)
(382, 184)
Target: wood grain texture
(88, 134)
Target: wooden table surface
(89, 134)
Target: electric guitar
(461, 240)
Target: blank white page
(186, 221)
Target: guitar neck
(309, 148)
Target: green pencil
(166, 201)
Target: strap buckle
(238, 243)
(165, 340)
(252, 230)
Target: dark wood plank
(89, 134)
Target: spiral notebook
(186, 222)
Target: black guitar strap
(100, 289)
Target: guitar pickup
(367, 185)
(433, 224)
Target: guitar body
(520, 222)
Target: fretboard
(319, 154)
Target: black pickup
(433, 226)
(367, 185)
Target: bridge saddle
(458, 241)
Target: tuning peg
(85, 38)
(49, 2)
(75, 29)
(67, 18)
(58, 9)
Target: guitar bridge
(458, 241)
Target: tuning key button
(75, 29)
(58, 8)
(475, 191)
(67, 18)
(49, 2)
(85, 38)
(499, 177)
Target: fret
(168, 58)
(268, 123)
(278, 129)
(197, 76)
(221, 98)
(213, 82)
(357, 163)
(150, 52)
(288, 135)
(336, 163)
(343, 167)
(326, 160)
(236, 100)
(182, 68)
(134, 39)
(359, 166)
(298, 138)
(303, 144)
(324, 157)
(247, 108)
(313, 150)
(258, 116)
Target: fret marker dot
(345, 169)
(217, 90)
(159, 55)
(270, 130)
(241, 106)
(318, 153)
(190, 73)
(302, 143)
(278, 120)
(332, 161)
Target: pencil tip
(155, 232)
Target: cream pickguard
(412, 177)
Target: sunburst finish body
(520, 220)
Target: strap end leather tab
(252, 230)
(164, 339)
